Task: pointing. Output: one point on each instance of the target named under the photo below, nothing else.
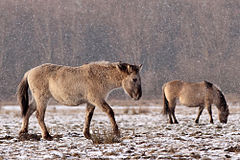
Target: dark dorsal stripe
(208, 84)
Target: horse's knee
(38, 115)
(110, 111)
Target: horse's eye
(134, 79)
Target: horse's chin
(136, 98)
(225, 122)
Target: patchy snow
(144, 134)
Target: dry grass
(235, 149)
(139, 110)
(103, 136)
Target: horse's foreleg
(199, 113)
(89, 113)
(41, 108)
(209, 108)
(25, 121)
(108, 110)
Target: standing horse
(89, 83)
(200, 94)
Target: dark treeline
(189, 40)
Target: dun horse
(89, 83)
(201, 94)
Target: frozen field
(144, 135)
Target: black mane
(222, 100)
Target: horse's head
(223, 115)
(132, 81)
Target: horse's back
(57, 81)
(70, 85)
(188, 93)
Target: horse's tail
(22, 95)
(165, 102)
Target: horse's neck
(220, 101)
(116, 78)
(113, 78)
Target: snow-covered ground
(144, 135)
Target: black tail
(22, 95)
(165, 103)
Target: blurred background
(188, 40)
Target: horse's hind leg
(31, 109)
(174, 117)
(172, 105)
(199, 113)
(88, 117)
(41, 108)
(170, 117)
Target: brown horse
(200, 94)
(89, 83)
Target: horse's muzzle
(137, 95)
(223, 121)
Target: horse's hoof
(117, 133)
(22, 132)
(48, 137)
(87, 135)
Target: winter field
(144, 135)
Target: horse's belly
(67, 98)
(190, 101)
(70, 100)
(67, 93)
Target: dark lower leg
(199, 113)
(170, 118)
(89, 113)
(210, 113)
(174, 117)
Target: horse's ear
(122, 67)
(140, 67)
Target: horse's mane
(222, 99)
(208, 84)
(101, 62)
